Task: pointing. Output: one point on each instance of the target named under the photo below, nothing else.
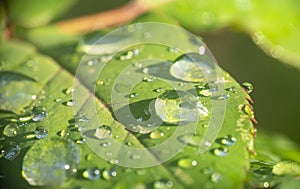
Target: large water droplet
(103, 132)
(248, 87)
(176, 106)
(11, 130)
(92, 173)
(221, 151)
(39, 113)
(41, 132)
(187, 163)
(191, 67)
(10, 150)
(50, 162)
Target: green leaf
(223, 166)
(34, 13)
(277, 36)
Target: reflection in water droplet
(41, 132)
(92, 173)
(176, 106)
(103, 132)
(109, 174)
(216, 177)
(39, 113)
(11, 130)
(187, 163)
(162, 184)
(202, 50)
(156, 134)
(221, 151)
(10, 150)
(228, 140)
(248, 87)
(50, 162)
(191, 67)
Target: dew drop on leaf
(11, 130)
(41, 132)
(50, 162)
(248, 87)
(156, 134)
(162, 184)
(187, 163)
(10, 150)
(216, 177)
(221, 151)
(103, 132)
(228, 140)
(108, 174)
(92, 173)
(39, 113)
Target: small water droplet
(92, 62)
(149, 79)
(248, 87)
(92, 173)
(216, 177)
(228, 140)
(276, 51)
(202, 50)
(11, 130)
(106, 144)
(113, 161)
(10, 150)
(232, 88)
(39, 113)
(109, 174)
(41, 132)
(156, 134)
(135, 156)
(248, 110)
(57, 99)
(103, 132)
(187, 163)
(71, 103)
(264, 184)
(81, 118)
(221, 97)
(158, 90)
(89, 157)
(162, 184)
(258, 38)
(140, 171)
(221, 151)
(133, 95)
(33, 97)
(207, 171)
(69, 90)
(191, 140)
(173, 49)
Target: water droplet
(158, 90)
(103, 132)
(222, 97)
(92, 173)
(248, 87)
(129, 54)
(162, 184)
(228, 140)
(173, 49)
(258, 38)
(221, 151)
(191, 67)
(135, 157)
(57, 99)
(109, 174)
(264, 185)
(133, 95)
(202, 50)
(50, 162)
(156, 134)
(187, 163)
(149, 79)
(232, 88)
(113, 161)
(92, 62)
(172, 109)
(106, 144)
(191, 140)
(140, 171)
(207, 171)
(216, 177)
(10, 150)
(89, 157)
(248, 110)
(11, 130)
(41, 132)
(33, 97)
(69, 90)
(81, 118)
(39, 113)
(276, 51)
(70, 103)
